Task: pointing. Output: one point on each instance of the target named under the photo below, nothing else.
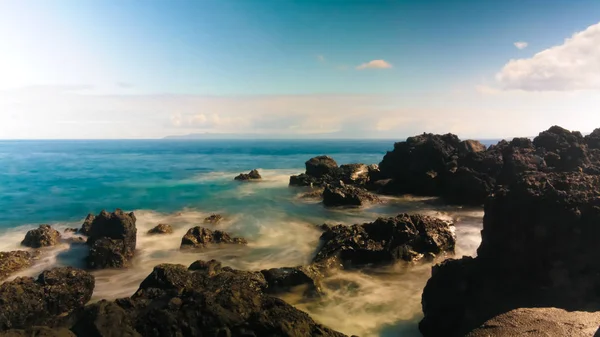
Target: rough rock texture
(213, 218)
(284, 279)
(341, 194)
(174, 301)
(321, 166)
(26, 302)
(540, 322)
(386, 240)
(87, 224)
(200, 237)
(43, 236)
(12, 262)
(252, 175)
(38, 331)
(112, 240)
(323, 170)
(539, 249)
(161, 229)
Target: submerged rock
(161, 229)
(252, 175)
(200, 237)
(176, 301)
(538, 249)
(341, 194)
(213, 218)
(12, 262)
(26, 302)
(384, 241)
(112, 240)
(43, 236)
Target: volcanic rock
(87, 224)
(199, 237)
(12, 262)
(43, 236)
(161, 229)
(112, 240)
(284, 279)
(213, 218)
(252, 175)
(341, 194)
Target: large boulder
(200, 237)
(567, 151)
(176, 301)
(28, 302)
(43, 236)
(341, 194)
(112, 240)
(321, 166)
(385, 241)
(539, 248)
(12, 262)
(280, 280)
(252, 175)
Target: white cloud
(521, 44)
(573, 65)
(375, 64)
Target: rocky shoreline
(541, 199)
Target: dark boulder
(304, 179)
(112, 240)
(200, 237)
(201, 301)
(320, 166)
(213, 218)
(87, 225)
(12, 262)
(285, 279)
(43, 236)
(27, 302)
(355, 174)
(538, 249)
(161, 229)
(341, 194)
(252, 175)
(567, 151)
(384, 241)
(593, 139)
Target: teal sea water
(182, 181)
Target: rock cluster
(200, 237)
(43, 236)
(112, 239)
(252, 175)
(323, 170)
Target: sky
(95, 69)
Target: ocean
(180, 182)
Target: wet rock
(174, 301)
(161, 229)
(252, 175)
(213, 219)
(199, 237)
(538, 249)
(43, 236)
(27, 302)
(12, 262)
(280, 280)
(540, 322)
(71, 230)
(210, 268)
(38, 331)
(320, 166)
(384, 241)
(112, 240)
(355, 174)
(87, 225)
(341, 194)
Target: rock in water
(341, 194)
(200, 237)
(174, 301)
(43, 236)
(252, 175)
(538, 249)
(213, 218)
(112, 240)
(321, 166)
(284, 279)
(12, 262)
(87, 225)
(540, 322)
(161, 229)
(384, 241)
(26, 302)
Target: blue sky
(294, 67)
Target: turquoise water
(181, 182)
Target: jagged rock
(199, 237)
(12, 262)
(87, 224)
(470, 146)
(384, 241)
(321, 166)
(174, 301)
(43, 236)
(38, 331)
(540, 322)
(252, 175)
(593, 139)
(285, 279)
(356, 174)
(538, 249)
(213, 218)
(27, 302)
(161, 229)
(112, 240)
(341, 194)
